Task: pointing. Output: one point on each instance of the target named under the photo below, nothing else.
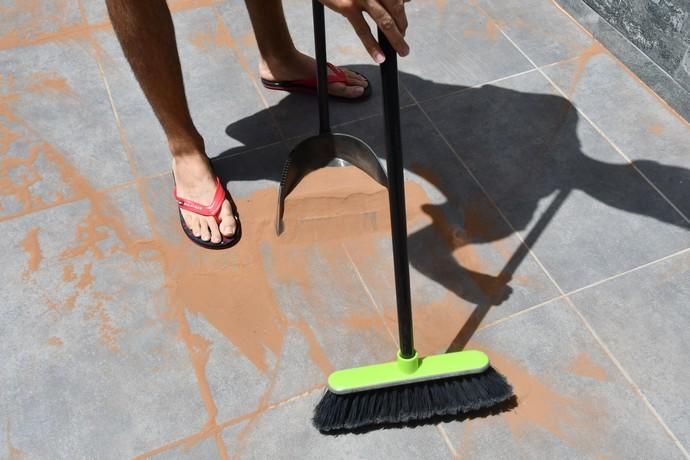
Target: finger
(396, 8)
(387, 24)
(364, 33)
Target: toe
(205, 231)
(192, 222)
(215, 231)
(355, 79)
(227, 220)
(342, 90)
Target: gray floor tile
(220, 95)
(648, 132)
(93, 367)
(305, 330)
(635, 59)
(297, 114)
(203, 450)
(219, 88)
(31, 22)
(642, 319)
(95, 11)
(301, 440)
(231, 437)
(540, 28)
(235, 383)
(457, 241)
(473, 50)
(572, 402)
(525, 144)
(251, 172)
(56, 110)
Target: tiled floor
(120, 339)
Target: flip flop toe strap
(337, 75)
(211, 210)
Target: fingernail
(405, 51)
(379, 58)
(357, 91)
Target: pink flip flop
(308, 86)
(211, 210)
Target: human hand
(389, 16)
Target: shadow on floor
(529, 141)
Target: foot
(299, 66)
(195, 181)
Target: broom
(411, 388)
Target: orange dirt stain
(68, 273)
(55, 341)
(655, 128)
(183, 5)
(49, 84)
(31, 246)
(217, 37)
(541, 406)
(581, 64)
(86, 277)
(12, 452)
(584, 366)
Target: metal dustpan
(327, 148)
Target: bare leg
(280, 60)
(146, 34)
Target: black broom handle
(396, 195)
(321, 66)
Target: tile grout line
(627, 376)
(626, 272)
(138, 185)
(575, 291)
(660, 99)
(546, 272)
(570, 301)
(598, 129)
(446, 439)
(379, 310)
(241, 60)
(285, 139)
(377, 307)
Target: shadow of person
(523, 147)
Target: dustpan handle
(396, 195)
(321, 66)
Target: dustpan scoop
(327, 149)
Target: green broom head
(409, 391)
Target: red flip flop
(308, 86)
(211, 210)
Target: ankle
(187, 148)
(279, 60)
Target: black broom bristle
(411, 403)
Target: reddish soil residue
(33, 250)
(655, 128)
(55, 341)
(578, 422)
(12, 452)
(584, 366)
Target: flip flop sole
(227, 242)
(291, 87)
